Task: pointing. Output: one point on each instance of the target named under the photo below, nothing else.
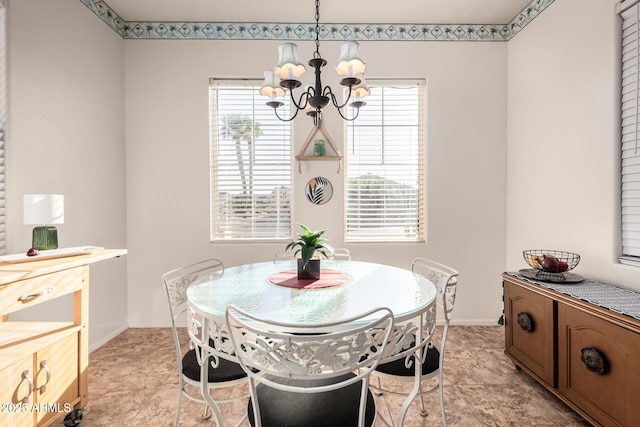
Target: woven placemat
(328, 278)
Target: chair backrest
(311, 352)
(446, 281)
(341, 254)
(176, 283)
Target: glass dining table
(271, 291)
(361, 287)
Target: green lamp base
(44, 238)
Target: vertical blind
(385, 165)
(630, 12)
(250, 165)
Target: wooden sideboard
(587, 355)
(44, 365)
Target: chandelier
(316, 97)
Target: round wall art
(319, 190)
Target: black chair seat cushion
(226, 370)
(399, 368)
(335, 408)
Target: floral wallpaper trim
(306, 31)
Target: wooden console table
(44, 365)
(586, 353)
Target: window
(630, 12)
(385, 165)
(3, 120)
(250, 165)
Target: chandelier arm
(334, 101)
(304, 96)
(346, 118)
(275, 110)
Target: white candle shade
(350, 63)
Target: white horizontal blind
(250, 165)
(630, 131)
(3, 124)
(385, 165)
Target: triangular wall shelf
(336, 153)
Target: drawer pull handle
(36, 295)
(44, 366)
(593, 360)
(26, 376)
(525, 321)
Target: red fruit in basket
(550, 263)
(562, 266)
(32, 252)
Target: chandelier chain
(317, 53)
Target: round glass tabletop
(369, 286)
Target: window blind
(630, 12)
(250, 165)
(385, 165)
(3, 124)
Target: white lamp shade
(361, 89)
(350, 63)
(289, 65)
(270, 87)
(43, 209)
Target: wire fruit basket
(551, 264)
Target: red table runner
(328, 278)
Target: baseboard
(96, 345)
(474, 322)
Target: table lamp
(43, 210)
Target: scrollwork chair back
(304, 370)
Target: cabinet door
(530, 331)
(14, 388)
(608, 391)
(56, 378)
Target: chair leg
(180, 392)
(441, 393)
(207, 412)
(423, 411)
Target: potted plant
(307, 244)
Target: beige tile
(133, 380)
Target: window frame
(421, 152)
(216, 84)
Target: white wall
(563, 135)
(167, 134)
(66, 135)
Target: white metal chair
(225, 373)
(341, 253)
(431, 357)
(308, 371)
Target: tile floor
(133, 382)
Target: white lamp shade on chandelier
(361, 89)
(289, 65)
(350, 63)
(271, 87)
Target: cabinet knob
(525, 321)
(593, 360)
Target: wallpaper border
(139, 30)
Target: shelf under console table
(44, 365)
(579, 340)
